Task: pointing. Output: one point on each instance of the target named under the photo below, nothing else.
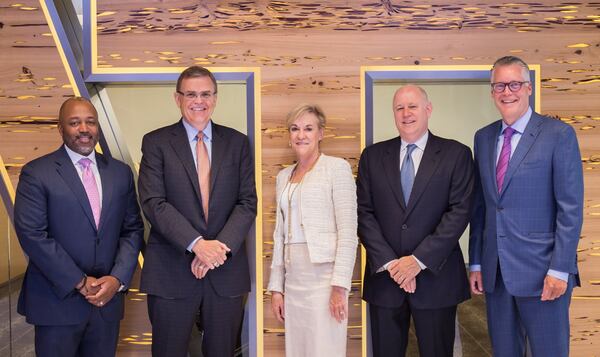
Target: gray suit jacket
(170, 197)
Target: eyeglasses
(193, 95)
(514, 86)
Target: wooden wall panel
(312, 52)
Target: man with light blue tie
(414, 196)
(526, 220)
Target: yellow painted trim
(143, 70)
(363, 252)
(61, 51)
(152, 70)
(538, 86)
(534, 67)
(259, 212)
(425, 68)
(141, 260)
(93, 36)
(7, 182)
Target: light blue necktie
(407, 172)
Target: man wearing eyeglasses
(197, 190)
(527, 220)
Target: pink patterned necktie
(91, 189)
(504, 158)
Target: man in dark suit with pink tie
(78, 221)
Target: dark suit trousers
(93, 338)
(434, 329)
(511, 318)
(173, 319)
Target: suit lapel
(391, 167)
(219, 145)
(491, 143)
(427, 167)
(181, 146)
(68, 173)
(527, 139)
(107, 188)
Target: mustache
(84, 135)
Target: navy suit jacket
(170, 198)
(56, 229)
(534, 224)
(429, 226)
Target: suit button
(404, 226)
(500, 208)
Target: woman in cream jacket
(314, 242)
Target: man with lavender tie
(78, 221)
(526, 220)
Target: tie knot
(200, 135)
(410, 148)
(508, 132)
(85, 162)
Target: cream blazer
(328, 220)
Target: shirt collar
(75, 157)
(420, 143)
(193, 132)
(520, 124)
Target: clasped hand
(210, 254)
(99, 292)
(404, 271)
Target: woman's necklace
(291, 190)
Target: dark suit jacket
(534, 224)
(170, 198)
(55, 226)
(429, 227)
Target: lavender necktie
(91, 189)
(502, 165)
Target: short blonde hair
(302, 109)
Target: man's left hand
(198, 268)
(553, 288)
(108, 288)
(404, 269)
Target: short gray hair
(510, 60)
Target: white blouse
(297, 235)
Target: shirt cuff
(191, 246)
(384, 267)
(423, 266)
(475, 267)
(558, 275)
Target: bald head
(412, 110)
